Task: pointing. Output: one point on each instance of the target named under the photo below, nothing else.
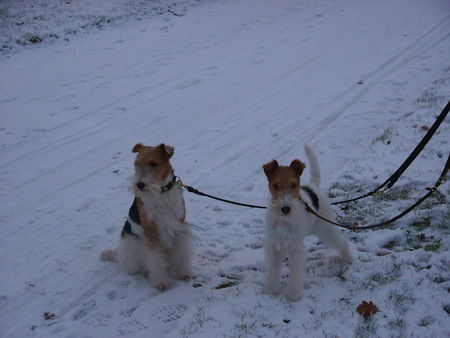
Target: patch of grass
(341, 273)
(200, 318)
(397, 324)
(429, 99)
(439, 280)
(444, 222)
(421, 241)
(246, 323)
(422, 223)
(446, 308)
(426, 321)
(403, 193)
(344, 186)
(386, 136)
(413, 241)
(433, 246)
(401, 300)
(244, 328)
(391, 244)
(386, 277)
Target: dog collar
(168, 186)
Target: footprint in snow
(131, 326)
(128, 312)
(117, 295)
(85, 309)
(99, 319)
(169, 313)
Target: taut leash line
(440, 181)
(199, 193)
(442, 178)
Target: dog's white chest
(285, 233)
(167, 210)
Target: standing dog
(155, 240)
(288, 222)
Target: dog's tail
(315, 173)
(109, 255)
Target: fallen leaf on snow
(367, 309)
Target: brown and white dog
(288, 222)
(155, 240)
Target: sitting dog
(288, 222)
(155, 241)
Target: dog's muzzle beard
(283, 205)
(143, 182)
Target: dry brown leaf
(367, 309)
(383, 253)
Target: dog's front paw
(160, 284)
(187, 277)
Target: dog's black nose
(285, 210)
(140, 185)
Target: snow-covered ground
(231, 84)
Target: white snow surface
(231, 85)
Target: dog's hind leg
(333, 238)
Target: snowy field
(231, 84)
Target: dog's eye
(275, 186)
(293, 185)
(152, 164)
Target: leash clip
(180, 182)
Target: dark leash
(396, 175)
(199, 193)
(440, 181)
(442, 178)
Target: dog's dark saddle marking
(127, 230)
(312, 195)
(133, 214)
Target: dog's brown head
(284, 182)
(152, 166)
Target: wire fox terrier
(288, 222)
(155, 241)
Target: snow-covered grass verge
(39, 22)
(402, 263)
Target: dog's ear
(137, 148)
(167, 150)
(270, 167)
(298, 166)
